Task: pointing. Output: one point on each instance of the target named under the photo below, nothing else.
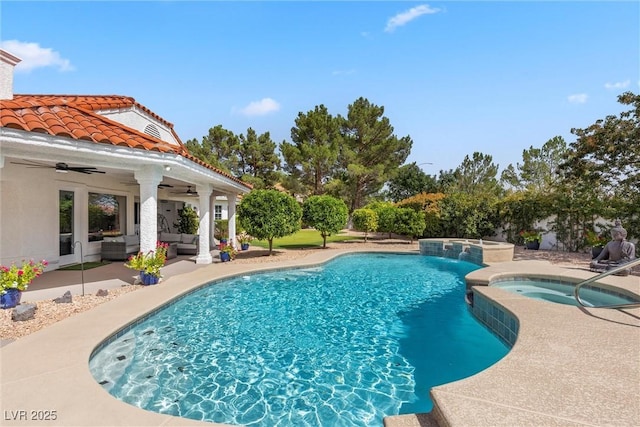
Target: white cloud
(617, 85)
(260, 108)
(33, 56)
(405, 17)
(578, 98)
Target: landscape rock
(102, 293)
(64, 299)
(23, 312)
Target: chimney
(7, 62)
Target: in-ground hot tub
(563, 292)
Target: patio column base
(204, 259)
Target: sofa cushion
(189, 239)
(115, 239)
(131, 240)
(170, 237)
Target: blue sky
(458, 77)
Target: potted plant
(531, 238)
(188, 221)
(244, 240)
(149, 264)
(597, 242)
(221, 232)
(228, 253)
(14, 280)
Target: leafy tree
(188, 221)
(409, 181)
(576, 204)
(446, 180)
(520, 210)
(219, 148)
(409, 223)
(468, 216)
(430, 205)
(326, 214)
(258, 162)
(540, 168)
(251, 158)
(311, 159)
(477, 175)
(268, 214)
(609, 148)
(607, 154)
(370, 152)
(386, 214)
(365, 220)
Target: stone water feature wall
(476, 251)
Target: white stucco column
(231, 201)
(148, 177)
(204, 251)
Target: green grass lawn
(87, 265)
(303, 239)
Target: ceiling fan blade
(82, 169)
(33, 164)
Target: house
(76, 169)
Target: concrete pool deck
(569, 366)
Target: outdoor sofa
(187, 243)
(120, 247)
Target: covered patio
(68, 162)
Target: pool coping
(60, 379)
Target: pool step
(411, 420)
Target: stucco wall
(29, 219)
(6, 80)
(138, 120)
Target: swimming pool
(563, 292)
(363, 337)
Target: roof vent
(152, 130)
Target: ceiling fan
(189, 192)
(161, 185)
(61, 167)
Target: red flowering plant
(20, 277)
(151, 262)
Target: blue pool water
(360, 338)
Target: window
(107, 216)
(217, 212)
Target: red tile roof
(75, 116)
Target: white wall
(29, 212)
(138, 119)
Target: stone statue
(617, 252)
